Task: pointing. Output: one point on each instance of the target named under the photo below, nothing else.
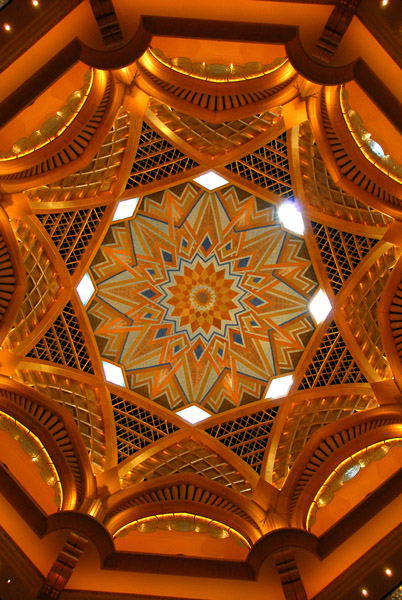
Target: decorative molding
(63, 567)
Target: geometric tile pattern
(247, 436)
(191, 457)
(332, 363)
(202, 297)
(63, 343)
(305, 418)
(156, 159)
(340, 251)
(267, 167)
(71, 232)
(136, 427)
(214, 139)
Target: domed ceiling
(202, 297)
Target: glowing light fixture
(291, 218)
(113, 373)
(364, 592)
(7, 27)
(211, 180)
(279, 386)
(35, 2)
(384, 2)
(193, 414)
(376, 148)
(85, 289)
(320, 306)
(388, 572)
(125, 209)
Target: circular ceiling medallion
(202, 297)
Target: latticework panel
(247, 436)
(214, 139)
(98, 176)
(332, 363)
(156, 159)
(80, 400)
(71, 232)
(136, 427)
(305, 418)
(341, 252)
(322, 193)
(361, 311)
(64, 343)
(192, 457)
(267, 167)
(43, 285)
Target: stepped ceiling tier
(200, 297)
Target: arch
(389, 321)
(189, 493)
(352, 164)
(58, 433)
(13, 280)
(326, 449)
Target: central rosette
(202, 298)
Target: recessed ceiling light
(364, 592)
(113, 373)
(388, 572)
(211, 180)
(125, 209)
(320, 306)
(7, 27)
(279, 386)
(193, 414)
(85, 289)
(291, 218)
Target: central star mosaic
(202, 297)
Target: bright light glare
(376, 148)
(113, 373)
(279, 386)
(85, 289)
(193, 414)
(291, 217)
(211, 180)
(125, 209)
(320, 306)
